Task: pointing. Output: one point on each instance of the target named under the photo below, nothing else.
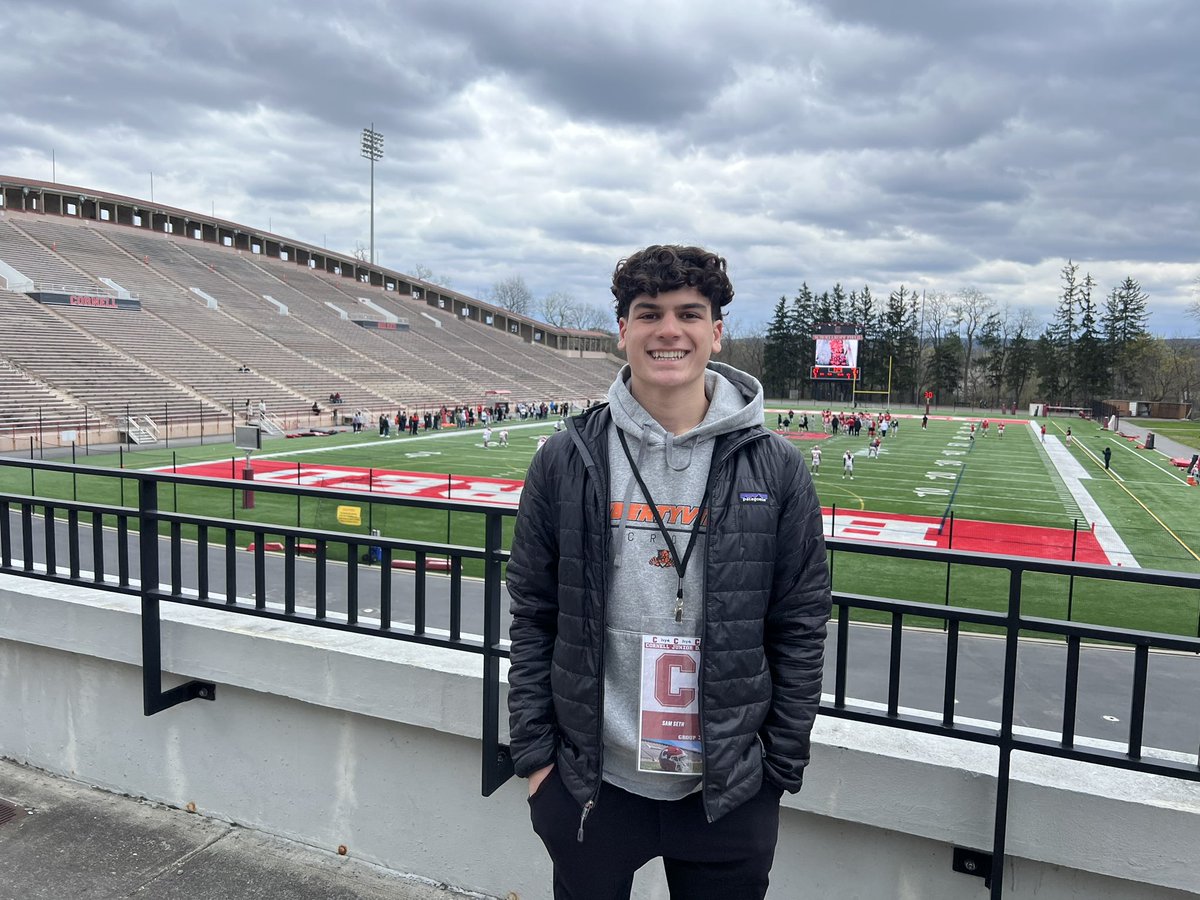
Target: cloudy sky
(932, 143)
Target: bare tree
(971, 307)
(426, 274)
(742, 350)
(557, 308)
(562, 309)
(361, 253)
(512, 294)
(936, 319)
(589, 317)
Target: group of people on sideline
(461, 416)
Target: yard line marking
(1107, 536)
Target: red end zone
(498, 491)
(976, 537)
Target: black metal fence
(89, 544)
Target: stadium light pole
(372, 149)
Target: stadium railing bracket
(154, 698)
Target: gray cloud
(933, 143)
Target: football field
(945, 486)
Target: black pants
(728, 859)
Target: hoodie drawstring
(642, 442)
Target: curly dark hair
(661, 268)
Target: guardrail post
(1007, 712)
(497, 763)
(154, 699)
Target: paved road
(1173, 701)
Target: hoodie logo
(662, 559)
(754, 497)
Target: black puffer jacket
(766, 604)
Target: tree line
(969, 349)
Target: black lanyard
(679, 564)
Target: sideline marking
(1105, 534)
(1119, 483)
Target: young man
(848, 465)
(487, 436)
(816, 459)
(503, 437)
(669, 599)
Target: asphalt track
(1173, 694)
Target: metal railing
(156, 573)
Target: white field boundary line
(443, 433)
(1073, 474)
(1129, 447)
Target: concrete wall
(333, 739)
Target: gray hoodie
(644, 583)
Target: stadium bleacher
(210, 334)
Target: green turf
(1185, 432)
(1010, 481)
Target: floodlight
(372, 149)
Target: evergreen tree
(1048, 363)
(838, 307)
(1061, 337)
(911, 343)
(947, 365)
(898, 340)
(823, 309)
(1124, 322)
(992, 342)
(803, 321)
(776, 362)
(1090, 366)
(1020, 362)
(870, 355)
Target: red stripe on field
(976, 537)
(431, 485)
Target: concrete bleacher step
(177, 352)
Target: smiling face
(669, 340)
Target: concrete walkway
(68, 841)
(1164, 445)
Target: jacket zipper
(714, 469)
(603, 480)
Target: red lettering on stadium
(106, 302)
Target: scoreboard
(836, 356)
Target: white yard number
(931, 492)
